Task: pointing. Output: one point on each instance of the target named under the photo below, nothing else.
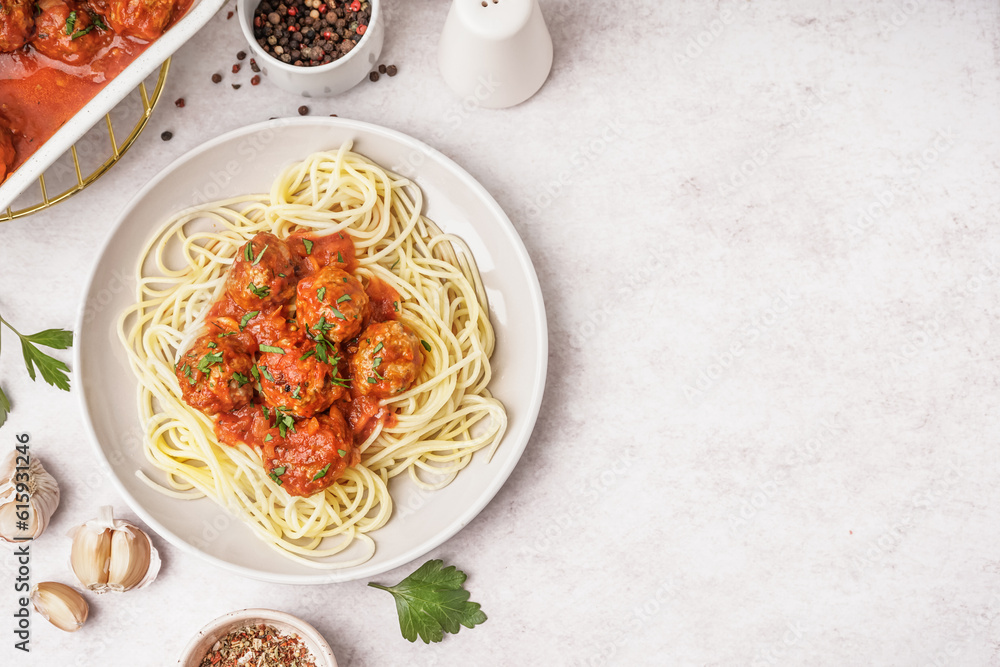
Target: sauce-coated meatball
(145, 19)
(313, 456)
(17, 22)
(262, 274)
(7, 153)
(298, 381)
(67, 31)
(333, 300)
(388, 360)
(215, 374)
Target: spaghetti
(429, 431)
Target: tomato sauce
(38, 95)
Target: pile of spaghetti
(428, 428)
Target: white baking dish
(197, 16)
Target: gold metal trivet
(117, 151)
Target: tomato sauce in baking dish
(56, 55)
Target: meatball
(331, 302)
(298, 380)
(215, 374)
(144, 19)
(388, 360)
(263, 274)
(17, 22)
(67, 31)
(313, 455)
(7, 153)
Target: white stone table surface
(767, 235)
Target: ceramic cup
(496, 53)
(325, 80)
(196, 649)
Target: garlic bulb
(60, 605)
(42, 498)
(112, 555)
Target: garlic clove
(129, 559)
(90, 557)
(42, 501)
(60, 605)
(109, 554)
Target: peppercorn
(254, 66)
(216, 78)
(241, 55)
(255, 80)
(167, 136)
(391, 70)
(236, 86)
(179, 103)
(303, 110)
(236, 68)
(381, 69)
(373, 76)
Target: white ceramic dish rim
(219, 627)
(533, 405)
(107, 99)
(246, 19)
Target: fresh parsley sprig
(432, 601)
(53, 371)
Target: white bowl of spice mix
(258, 637)
(314, 48)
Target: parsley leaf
(271, 348)
(322, 473)
(432, 601)
(346, 297)
(246, 318)
(70, 23)
(259, 292)
(308, 245)
(427, 346)
(321, 293)
(257, 261)
(53, 371)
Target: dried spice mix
(254, 645)
(308, 33)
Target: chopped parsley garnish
(228, 333)
(275, 474)
(295, 394)
(372, 380)
(378, 361)
(208, 361)
(378, 348)
(394, 265)
(309, 246)
(257, 261)
(268, 438)
(242, 379)
(267, 373)
(248, 251)
(98, 21)
(321, 293)
(336, 313)
(427, 346)
(321, 352)
(246, 318)
(307, 355)
(346, 297)
(342, 452)
(271, 348)
(267, 413)
(256, 374)
(259, 292)
(70, 23)
(188, 374)
(395, 304)
(213, 345)
(340, 258)
(341, 382)
(322, 473)
(285, 422)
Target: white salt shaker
(496, 53)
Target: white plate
(247, 161)
(150, 59)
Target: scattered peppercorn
(255, 80)
(303, 110)
(229, 16)
(373, 76)
(391, 70)
(216, 78)
(167, 136)
(241, 55)
(333, 115)
(254, 66)
(236, 68)
(381, 69)
(236, 86)
(179, 103)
